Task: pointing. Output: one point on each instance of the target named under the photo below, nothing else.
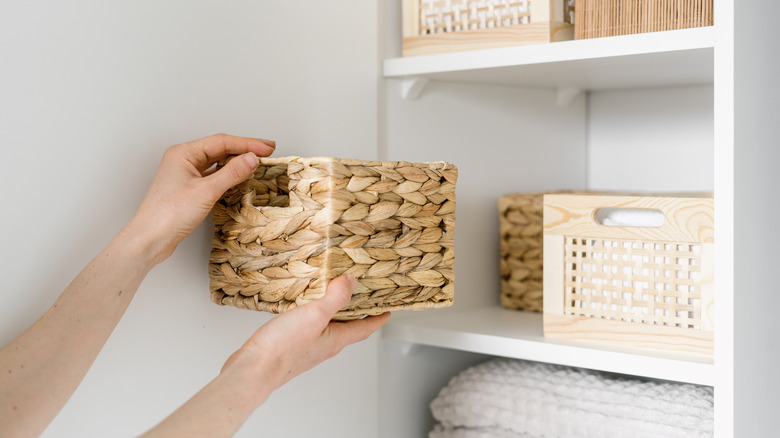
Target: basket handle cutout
(272, 189)
(630, 217)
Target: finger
(337, 294)
(357, 330)
(237, 170)
(216, 147)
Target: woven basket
(520, 217)
(439, 26)
(281, 236)
(603, 18)
(646, 283)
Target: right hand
(299, 339)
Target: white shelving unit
(660, 59)
(673, 58)
(494, 111)
(499, 332)
(448, 341)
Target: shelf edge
(581, 357)
(575, 50)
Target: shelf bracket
(564, 96)
(412, 87)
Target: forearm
(42, 368)
(220, 408)
(285, 347)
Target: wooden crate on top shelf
(441, 26)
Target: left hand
(185, 189)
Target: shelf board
(508, 333)
(671, 58)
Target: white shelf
(672, 58)
(507, 333)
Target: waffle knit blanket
(505, 398)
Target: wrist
(219, 409)
(146, 241)
(254, 378)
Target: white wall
(651, 140)
(90, 95)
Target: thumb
(337, 295)
(236, 171)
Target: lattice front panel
(633, 280)
(438, 16)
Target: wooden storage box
(281, 236)
(440, 26)
(603, 18)
(630, 270)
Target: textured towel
(505, 397)
(441, 431)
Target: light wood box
(441, 26)
(634, 286)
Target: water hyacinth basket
(520, 228)
(522, 248)
(282, 235)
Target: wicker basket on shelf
(521, 229)
(281, 236)
(603, 18)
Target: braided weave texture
(282, 235)
(521, 228)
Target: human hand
(185, 188)
(283, 348)
(299, 339)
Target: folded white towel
(441, 431)
(543, 400)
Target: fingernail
(352, 281)
(250, 159)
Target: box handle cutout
(630, 217)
